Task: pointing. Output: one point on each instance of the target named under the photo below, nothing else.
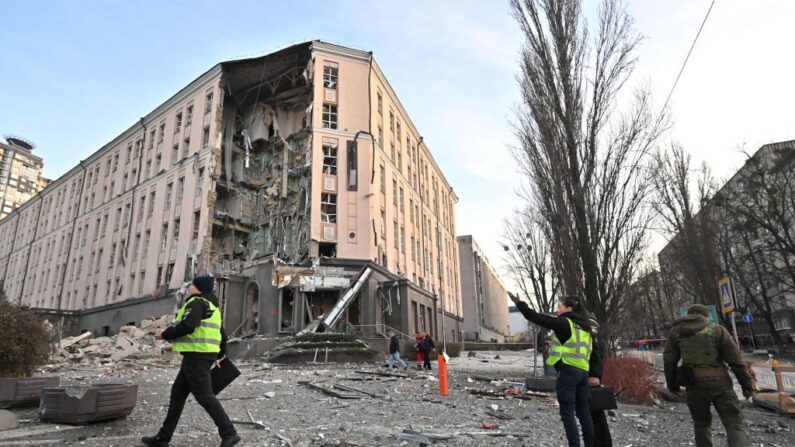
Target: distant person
(417, 341)
(426, 346)
(705, 349)
(569, 354)
(394, 352)
(595, 368)
(199, 337)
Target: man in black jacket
(426, 345)
(394, 352)
(570, 326)
(595, 368)
(201, 340)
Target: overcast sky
(77, 73)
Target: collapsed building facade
(289, 177)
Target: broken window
(353, 181)
(151, 205)
(136, 247)
(329, 116)
(380, 103)
(400, 198)
(403, 240)
(206, 137)
(196, 219)
(328, 208)
(178, 122)
(395, 234)
(167, 204)
(180, 189)
(383, 224)
(208, 103)
(392, 152)
(176, 231)
(394, 192)
(392, 123)
(380, 136)
(162, 132)
(397, 131)
(189, 115)
(199, 181)
(145, 249)
(186, 148)
(163, 237)
(330, 76)
(411, 210)
(329, 159)
(399, 161)
(141, 209)
(383, 179)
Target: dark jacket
(728, 351)
(426, 344)
(194, 314)
(596, 363)
(558, 324)
(394, 344)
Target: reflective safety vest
(575, 352)
(206, 337)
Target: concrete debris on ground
(272, 406)
(131, 343)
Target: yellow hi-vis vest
(206, 337)
(575, 352)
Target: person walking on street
(426, 345)
(394, 352)
(705, 349)
(595, 367)
(569, 353)
(197, 335)
(418, 340)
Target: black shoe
(229, 441)
(155, 441)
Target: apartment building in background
(20, 174)
(771, 161)
(483, 296)
(284, 176)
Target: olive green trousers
(720, 393)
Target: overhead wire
(693, 45)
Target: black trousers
(194, 378)
(426, 358)
(571, 389)
(601, 429)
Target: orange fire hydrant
(442, 374)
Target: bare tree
(691, 261)
(528, 260)
(582, 157)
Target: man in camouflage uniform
(705, 349)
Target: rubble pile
(134, 343)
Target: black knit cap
(205, 284)
(698, 309)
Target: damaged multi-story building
(20, 173)
(289, 177)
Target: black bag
(685, 376)
(602, 398)
(223, 376)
